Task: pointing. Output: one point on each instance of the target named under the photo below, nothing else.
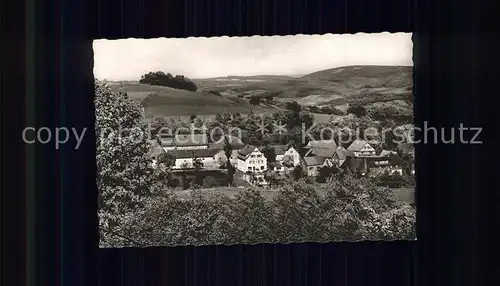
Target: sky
(128, 59)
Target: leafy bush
(356, 109)
(298, 173)
(293, 106)
(269, 153)
(325, 172)
(349, 209)
(315, 109)
(162, 79)
(254, 100)
(215, 92)
(332, 111)
(211, 182)
(392, 180)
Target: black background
(49, 206)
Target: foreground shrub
(347, 208)
(392, 180)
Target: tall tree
(125, 174)
(228, 150)
(298, 173)
(198, 166)
(184, 178)
(269, 153)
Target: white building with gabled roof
(251, 159)
(361, 148)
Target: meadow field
(338, 87)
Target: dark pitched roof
(314, 161)
(343, 153)
(198, 153)
(302, 151)
(184, 140)
(357, 145)
(326, 144)
(245, 152)
(322, 152)
(279, 149)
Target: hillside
(337, 87)
(165, 101)
(331, 87)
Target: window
(253, 156)
(249, 168)
(262, 167)
(258, 156)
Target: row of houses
(360, 156)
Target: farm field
(338, 87)
(166, 101)
(320, 87)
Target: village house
(320, 148)
(286, 154)
(184, 142)
(321, 152)
(311, 165)
(236, 144)
(221, 159)
(361, 148)
(250, 158)
(184, 159)
(340, 155)
(286, 158)
(387, 161)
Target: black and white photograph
(262, 139)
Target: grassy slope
(336, 86)
(381, 85)
(368, 84)
(165, 101)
